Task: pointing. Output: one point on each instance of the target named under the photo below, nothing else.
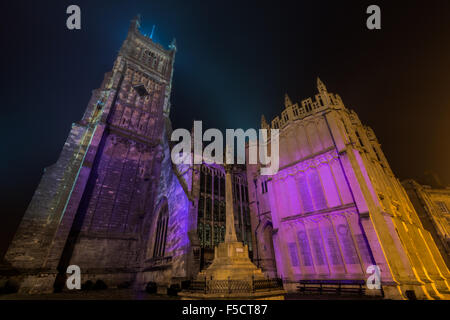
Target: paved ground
(298, 296)
(110, 294)
(124, 294)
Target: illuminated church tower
(115, 205)
(335, 207)
(96, 205)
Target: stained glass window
(207, 235)
(305, 196)
(305, 249)
(161, 233)
(293, 252)
(350, 254)
(216, 234)
(317, 246)
(208, 209)
(317, 190)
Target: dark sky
(235, 61)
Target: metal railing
(233, 286)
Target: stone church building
(115, 205)
(335, 207)
(432, 203)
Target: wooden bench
(332, 286)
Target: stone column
(230, 232)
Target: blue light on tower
(153, 30)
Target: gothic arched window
(161, 233)
(201, 203)
(200, 234)
(222, 211)
(208, 208)
(216, 210)
(222, 186)
(216, 234)
(208, 182)
(216, 184)
(247, 216)
(316, 189)
(207, 235)
(202, 181)
(222, 233)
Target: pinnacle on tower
(136, 22)
(263, 121)
(173, 44)
(153, 31)
(287, 101)
(320, 86)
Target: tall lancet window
(161, 233)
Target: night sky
(235, 61)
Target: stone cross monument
(230, 228)
(232, 275)
(231, 260)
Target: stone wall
(29, 246)
(432, 206)
(174, 189)
(336, 206)
(94, 207)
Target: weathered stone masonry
(115, 205)
(98, 199)
(335, 207)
